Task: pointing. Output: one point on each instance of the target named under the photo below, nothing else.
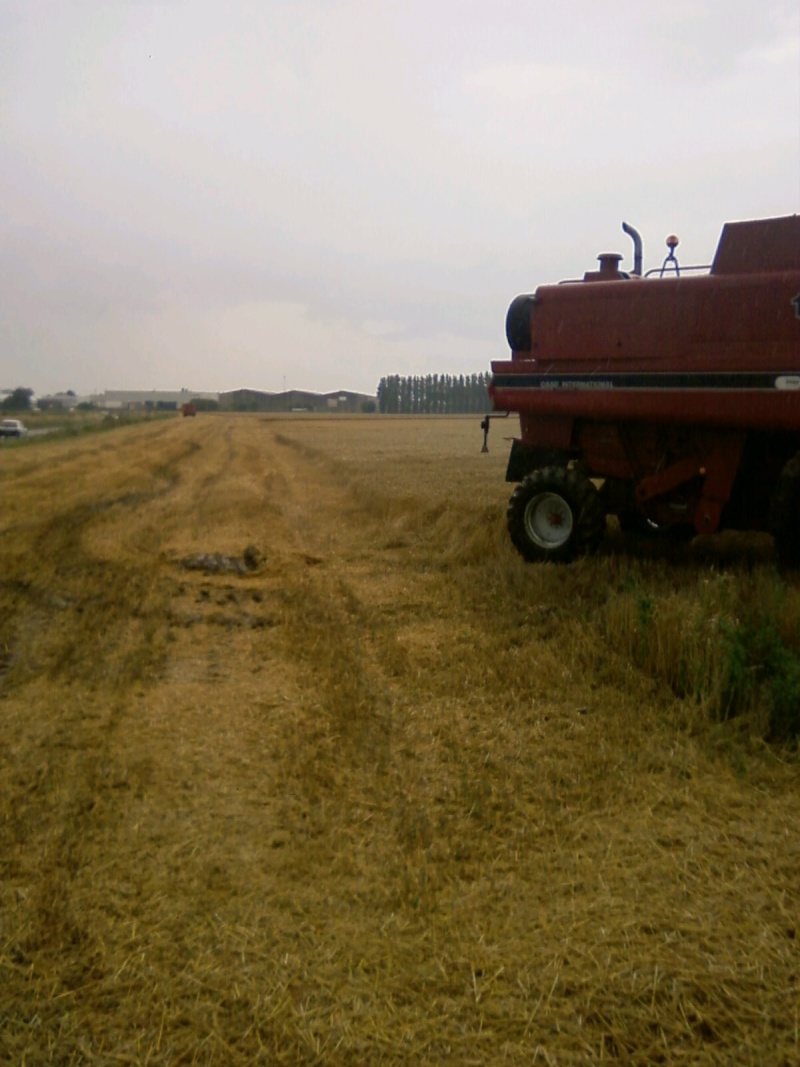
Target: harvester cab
(669, 399)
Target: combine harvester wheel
(555, 514)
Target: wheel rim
(548, 520)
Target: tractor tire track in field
(335, 627)
(88, 629)
(319, 628)
(64, 608)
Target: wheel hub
(548, 520)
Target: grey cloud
(167, 168)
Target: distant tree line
(435, 394)
(18, 400)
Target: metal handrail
(684, 270)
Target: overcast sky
(316, 193)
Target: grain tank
(670, 399)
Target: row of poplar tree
(435, 394)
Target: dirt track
(382, 799)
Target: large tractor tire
(555, 514)
(785, 514)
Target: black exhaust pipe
(637, 248)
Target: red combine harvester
(671, 400)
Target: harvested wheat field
(301, 764)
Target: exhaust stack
(637, 248)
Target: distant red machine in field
(188, 410)
(671, 400)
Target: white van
(12, 428)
